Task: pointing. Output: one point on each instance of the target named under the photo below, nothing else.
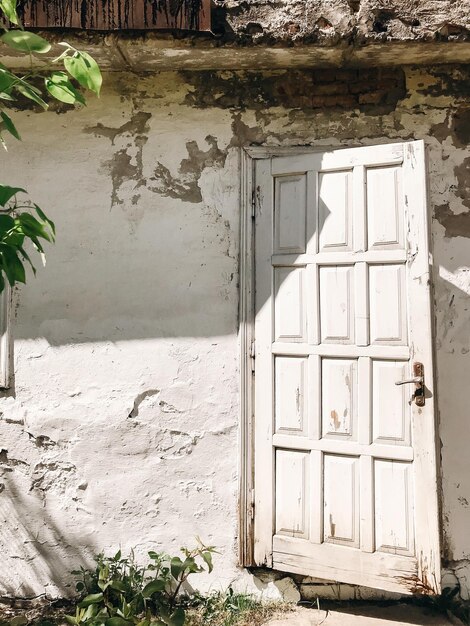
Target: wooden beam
(112, 15)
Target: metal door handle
(418, 380)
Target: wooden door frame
(248, 200)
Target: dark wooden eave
(116, 15)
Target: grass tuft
(232, 609)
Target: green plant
(118, 592)
(17, 226)
(66, 77)
(227, 608)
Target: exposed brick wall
(347, 88)
(376, 88)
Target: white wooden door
(345, 461)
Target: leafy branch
(76, 71)
(17, 227)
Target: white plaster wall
(138, 304)
(121, 424)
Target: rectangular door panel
(289, 304)
(291, 395)
(385, 208)
(335, 210)
(390, 408)
(292, 493)
(341, 500)
(394, 530)
(290, 214)
(337, 304)
(339, 397)
(388, 304)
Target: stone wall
(330, 21)
(121, 424)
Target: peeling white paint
(121, 428)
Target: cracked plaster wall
(121, 425)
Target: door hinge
(253, 355)
(253, 204)
(252, 505)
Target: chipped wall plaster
(121, 427)
(333, 20)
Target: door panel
(384, 207)
(341, 500)
(387, 304)
(345, 461)
(292, 493)
(290, 214)
(390, 408)
(290, 314)
(291, 395)
(339, 398)
(394, 529)
(335, 210)
(337, 304)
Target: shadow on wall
(176, 275)
(452, 301)
(43, 557)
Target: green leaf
(117, 621)
(154, 555)
(7, 80)
(103, 585)
(19, 620)
(44, 218)
(13, 267)
(11, 128)
(60, 88)
(6, 224)
(91, 611)
(207, 556)
(153, 587)
(118, 585)
(25, 41)
(176, 567)
(7, 193)
(93, 598)
(32, 227)
(177, 619)
(85, 70)
(31, 93)
(117, 556)
(71, 619)
(13, 239)
(37, 244)
(9, 8)
(191, 566)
